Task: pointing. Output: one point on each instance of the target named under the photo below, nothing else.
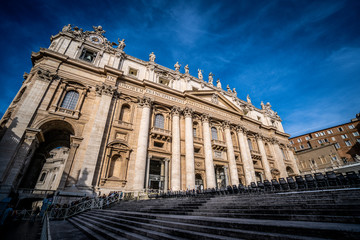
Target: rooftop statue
(122, 44)
(211, 75)
(186, 69)
(262, 105)
(67, 28)
(248, 99)
(99, 30)
(152, 57)
(235, 93)
(218, 83)
(228, 89)
(177, 66)
(200, 76)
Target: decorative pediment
(119, 146)
(216, 98)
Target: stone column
(142, 146)
(105, 93)
(209, 163)
(279, 158)
(231, 156)
(33, 137)
(246, 157)
(264, 157)
(189, 149)
(166, 181)
(147, 172)
(65, 181)
(175, 147)
(293, 161)
(9, 143)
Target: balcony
(218, 145)
(198, 140)
(255, 155)
(123, 124)
(160, 133)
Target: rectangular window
(133, 72)
(330, 131)
(308, 145)
(340, 129)
(301, 146)
(344, 136)
(351, 126)
(307, 138)
(355, 134)
(348, 143)
(316, 135)
(358, 140)
(194, 132)
(87, 55)
(333, 138)
(326, 140)
(337, 145)
(295, 148)
(299, 140)
(291, 142)
(322, 133)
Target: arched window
(42, 178)
(233, 138)
(283, 153)
(267, 149)
(250, 144)
(159, 121)
(70, 100)
(214, 133)
(115, 166)
(125, 113)
(195, 129)
(289, 170)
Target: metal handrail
(66, 212)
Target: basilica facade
(133, 125)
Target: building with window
(329, 148)
(133, 125)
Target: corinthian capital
(205, 117)
(105, 89)
(226, 124)
(144, 102)
(188, 112)
(241, 129)
(274, 141)
(175, 111)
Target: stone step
(293, 217)
(91, 231)
(325, 212)
(125, 232)
(157, 231)
(300, 228)
(352, 207)
(235, 233)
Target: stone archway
(56, 135)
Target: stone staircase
(329, 214)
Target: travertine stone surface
(264, 159)
(209, 164)
(232, 163)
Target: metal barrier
(45, 230)
(65, 212)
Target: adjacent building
(329, 148)
(132, 125)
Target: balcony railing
(198, 139)
(160, 131)
(124, 124)
(218, 145)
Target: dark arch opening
(56, 135)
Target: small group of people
(10, 214)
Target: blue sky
(301, 56)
